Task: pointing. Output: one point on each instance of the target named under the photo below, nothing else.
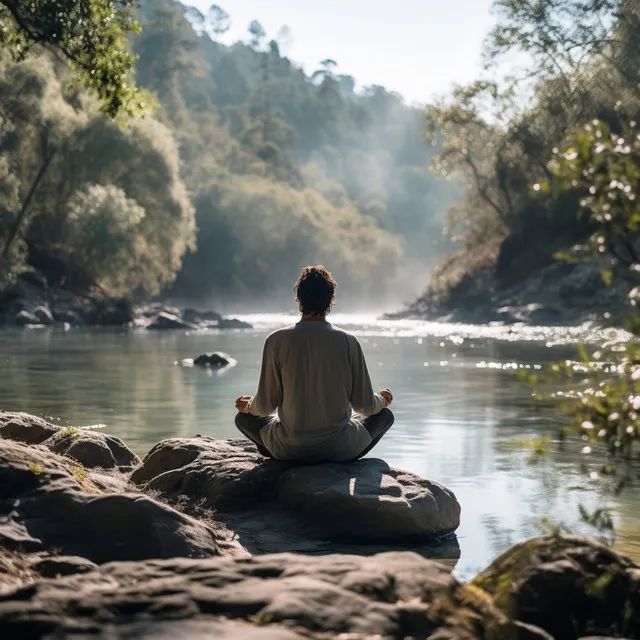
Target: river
(459, 410)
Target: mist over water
(459, 409)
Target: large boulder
(46, 503)
(279, 597)
(367, 500)
(88, 447)
(24, 427)
(92, 448)
(571, 586)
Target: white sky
(415, 47)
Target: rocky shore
(206, 538)
(32, 303)
(558, 295)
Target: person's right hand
(242, 404)
(388, 397)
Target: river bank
(137, 548)
(557, 295)
(31, 302)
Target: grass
(69, 432)
(79, 474)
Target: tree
(218, 20)
(51, 153)
(91, 35)
(257, 34)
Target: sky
(418, 48)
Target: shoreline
(79, 510)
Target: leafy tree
(257, 34)
(51, 151)
(218, 20)
(91, 35)
(100, 242)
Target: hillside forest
(234, 170)
(525, 237)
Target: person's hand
(242, 404)
(388, 397)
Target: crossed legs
(376, 425)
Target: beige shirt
(315, 376)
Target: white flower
(587, 425)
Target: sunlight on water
(457, 403)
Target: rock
(43, 315)
(114, 312)
(33, 279)
(194, 316)
(280, 597)
(570, 586)
(216, 360)
(63, 566)
(165, 321)
(233, 323)
(223, 474)
(25, 318)
(24, 427)
(88, 447)
(46, 503)
(92, 449)
(365, 501)
(67, 316)
(368, 500)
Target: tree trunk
(27, 201)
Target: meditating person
(315, 402)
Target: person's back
(315, 376)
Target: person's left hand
(242, 404)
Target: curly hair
(315, 291)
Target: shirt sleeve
(363, 398)
(269, 395)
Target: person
(315, 402)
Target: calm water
(458, 410)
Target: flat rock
(46, 503)
(366, 501)
(62, 566)
(167, 321)
(278, 597)
(88, 447)
(233, 323)
(25, 318)
(570, 586)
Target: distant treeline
(246, 170)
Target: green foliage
(602, 392)
(69, 432)
(75, 184)
(90, 34)
(80, 474)
(581, 61)
(250, 122)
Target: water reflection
(454, 415)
